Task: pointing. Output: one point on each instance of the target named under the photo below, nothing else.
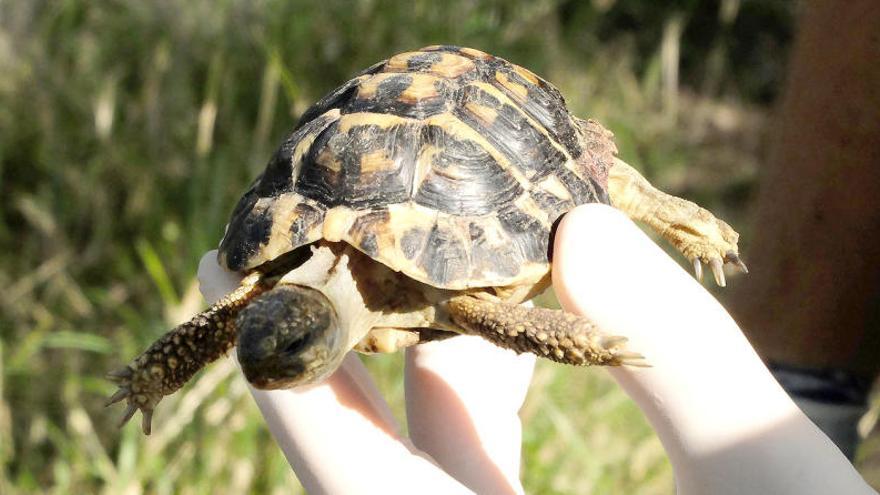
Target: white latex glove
(725, 423)
(463, 397)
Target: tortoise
(415, 202)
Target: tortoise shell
(447, 164)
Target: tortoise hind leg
(550, 333)
(693, 230)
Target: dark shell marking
(447, 164)
(462, 178)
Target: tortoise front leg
(693, 230)
(173, 359)
(550, 333)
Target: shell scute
(510, 131)
(462, 178)
(412, 242)
(490, 250)
(439, 63)
(527, 233)
(414, 96)
(541, 102)
(320, 173)
(444, 257)
(363, 231)
(304, 218)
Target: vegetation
(129, 129)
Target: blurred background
(129, 129)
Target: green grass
(130, 128)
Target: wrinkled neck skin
(366, 294)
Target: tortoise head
(289, 336)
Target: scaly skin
(697, 233)
(550, 333)
(173, 359)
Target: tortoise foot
(694, 231)
(139, 390)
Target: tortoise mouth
(296, 346)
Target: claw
(146, 410)
(120, 374)
(734, 259)
(147, 420)
(128, 414)
(611, 341)
(638, 364)
(120, 394)
(718, 271)
(698, 269)
(628, 355)
(629, 358)
(124, 378)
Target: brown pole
(813, 296)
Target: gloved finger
(463, 396)
(338, 441)
(607, 269)
(715, 407)
(214, 281)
